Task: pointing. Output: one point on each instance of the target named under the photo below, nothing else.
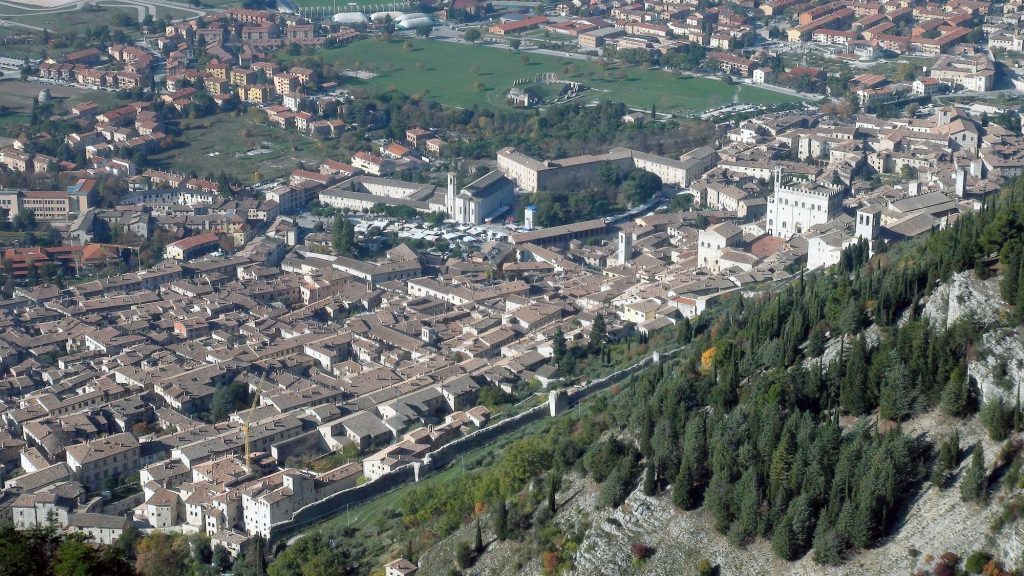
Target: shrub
(463, 555)
(976, 561)
(641, 550)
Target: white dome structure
(380, 17)
(414, 23)
(350, 18)
(410, 16)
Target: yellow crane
(245, 425)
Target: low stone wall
(451, 451)
(580, 393)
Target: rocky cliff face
(999, 364)
(965, 295)
(999, 369)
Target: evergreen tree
(816, 342)
(688, 488)
(478, 539)
(947, 460)
(598, 333)
(552, 494)
(956, 397)
(559, 347)
(684, 332)
(650, 480)
(998, 418)
(974, 486)
(501, 520)
(853, 392)
(343, 237)
(896, 395)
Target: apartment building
(97, 461)
(976, 72)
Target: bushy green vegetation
(47, 552)
(556, 132)
(614, 192)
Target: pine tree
(896, 395)
(816, 343)
(684, 332)
(343, 237)
(998, 418)
(974, 486)
(782, 541)
(853, 392)
(1012, 258)
(956, 395)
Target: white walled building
(712, 241)
(796, 205)
(481, 199)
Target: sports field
(463, 75)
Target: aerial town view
(511, 287)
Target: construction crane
(245, 425)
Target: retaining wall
(448, 453)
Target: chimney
(914, 188)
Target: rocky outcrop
(965, 295)
(999, 369)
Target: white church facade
(484, 198)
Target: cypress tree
(501, 520)
(552, 492)
(478, 539)
(650, 480)
(946, 460)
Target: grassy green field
(229, 137)
(889, 67)
(67, 21)
(17, 95)
(10, 124)
(463, 75)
